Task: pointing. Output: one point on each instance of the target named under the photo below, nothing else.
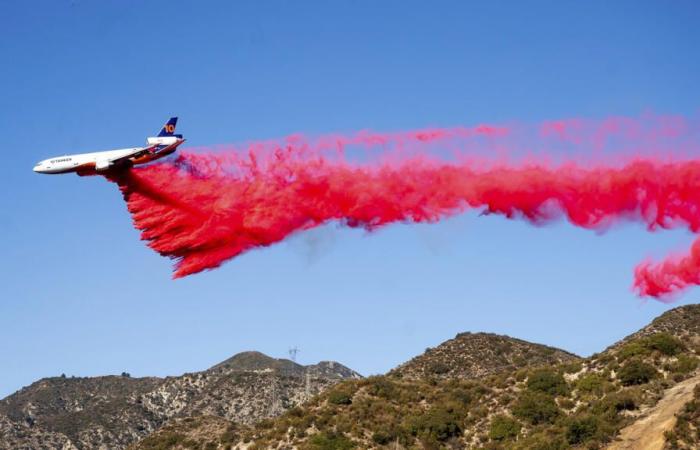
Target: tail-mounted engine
(162, 140)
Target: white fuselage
(96, 162)
(74, 163)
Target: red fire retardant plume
(202, 209)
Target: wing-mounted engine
(102, 164)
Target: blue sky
(81, 295)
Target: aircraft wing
(135, 154)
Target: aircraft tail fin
(169, 128)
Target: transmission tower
(293, 353)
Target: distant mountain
(258, 362)
(113, 411)
(475, 355)
(493, 392)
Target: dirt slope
(647, 433)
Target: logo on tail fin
(169, 127)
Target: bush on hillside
(636, 372)
(543, 441)
(163, 441)
(504, 427)
(631, 350)
(687, 428)
(664, 343)
(573, 367)
(382, 387)
(436, 424)
(340, 397)
(329, 441)
(536, 407)
(591, 383)
(581, 429)
(547, 381)
(382, 437)
(438, 368)
(684, 364)
(611, 405)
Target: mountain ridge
(473, 355)
(89, 412)
(477, 390)
(573, 403)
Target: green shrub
(437, 424)
(636, 372)
(536, 407)
(591, 383)
(163, 441)
(573, 367)
(686, 431)
(664, 343)
(660, 342)
(503, 427)
(382, 437)
(603, 358)
(340, 397)
(685, 364)
(581, 429)
(567, 403)
(382, 387)
(230, 435)
(542, 441)
(438, 368)
(612, 404)
(462, 396)
(631, 350)
(330, 441)
(671, 439)
(547, 381)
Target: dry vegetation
(686, 433)
(116, 411)
(475, 355)
(568, 403)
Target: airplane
(110, 160)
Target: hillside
(114, 411)
(475, 355)
(683, 322)
(575, 403)
(654, 430)
(686, 431)
(258, 362)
